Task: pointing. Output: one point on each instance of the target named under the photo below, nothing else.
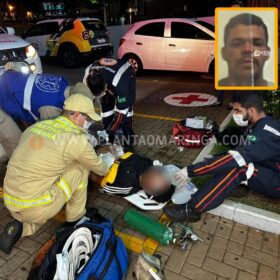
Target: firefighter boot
(10, 235)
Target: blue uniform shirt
(121, 81)
(263, 145)
(22, 95)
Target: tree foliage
(272, 102)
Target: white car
(170, 44)
(14, 48)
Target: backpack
(107, 261)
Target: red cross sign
(190, 99)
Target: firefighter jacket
(43, 154)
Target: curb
(238, 212)
(249, 216)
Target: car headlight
(30, 51)
(19, 66)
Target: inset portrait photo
(246, 48)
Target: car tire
(135, 62)
(69, 56)
(211, 70)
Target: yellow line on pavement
(157, 117)
(136, 244)
(171, 82)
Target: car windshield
(207, 25)
(93, 25)
(2, 31)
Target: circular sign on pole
(190, 99)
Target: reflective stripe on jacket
(44, 153)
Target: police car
(14, 48)
(70, 40)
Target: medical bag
(88, 250)
(194, 132)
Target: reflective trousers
(34, 217)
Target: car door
(189, 47)
(38, 35)
(149, 44)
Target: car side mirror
(11, 30)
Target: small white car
(170, 44)
(14, 48)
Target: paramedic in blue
(114, 84)
(256, 162)
(29, 98)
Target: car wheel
(211, 70)
(70, 57)
(136, 63)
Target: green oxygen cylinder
(148, 226)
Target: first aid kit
(194, 132)
(196, 122)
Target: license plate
(101, 40)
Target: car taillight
(121, 42)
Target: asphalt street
(170, 80)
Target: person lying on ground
(131, 173)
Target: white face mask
(87, 124)
(239, 120)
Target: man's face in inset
(246, 51)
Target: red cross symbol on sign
(190, 99)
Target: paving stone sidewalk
(229, 250)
